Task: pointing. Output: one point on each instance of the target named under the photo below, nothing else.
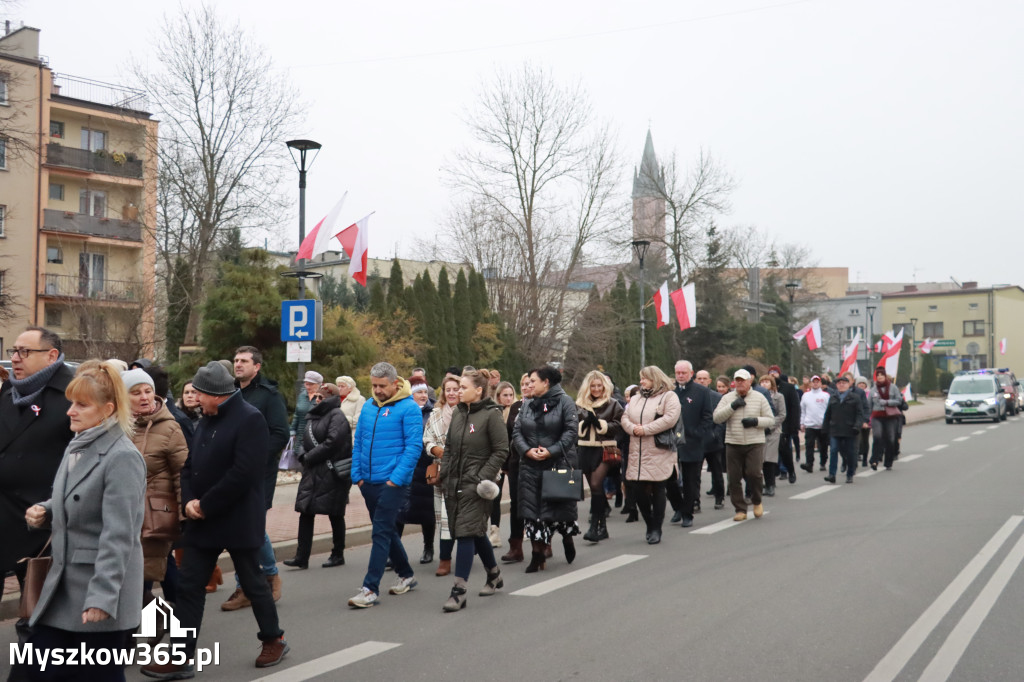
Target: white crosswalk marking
(961, 439)
(540, 589)
(980, 432)
(994, 426)
(325, 664)
(814, 492)
(940, 446)
(910, 458)
(725, 525)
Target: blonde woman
(599, 416)
(653, 409)
(435, 436)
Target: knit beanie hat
(134, 377)
(213, 380)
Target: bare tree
(534, 201)
(224, 118)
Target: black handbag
(561, 485)
(670, 439)
(341, 468)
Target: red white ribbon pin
(36, 409)
(545, 407)
(472, 429)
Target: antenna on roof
(958, 285)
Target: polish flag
(927, 345)
(890, 359)
(685, 302)
(1002, 346)
(907, 395)
(354, 240)
(884, 343)
(661, 305)
(850, 354)
(317, 240)
(812, 333)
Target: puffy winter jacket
(388, 439)
(477, 446)
(327, 437)
(657, 413)
(757, 406)
(548, 421)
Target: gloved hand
(749, 422)
(738, 403)
(590, 419)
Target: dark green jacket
(476, 448)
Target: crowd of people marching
(126, 488)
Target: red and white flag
(316, 242)
(661, 305)
(927, 345)
(907, 395)
(812, 332)
(850, 354)
(1002, 346)
(685, 302)
(354, 240)
(884, 343)
(890, 359)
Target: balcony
(106, 94)
(79, 223)
(98, 162)
(86, 288)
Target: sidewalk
(283, 521)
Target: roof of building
(964, 291)
(649, 180)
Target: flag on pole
(1002, 346)
(885, 342)
(317, 240)
(812, 332)
(850, 354)
(354, 240)
(661, 305)
(890, 359)
(685, 302)
(907, 395)
(927, 345)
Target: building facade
(77, 194)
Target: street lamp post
(913, 349)
(640, 246)
(791, 288)
(871, 338)
(299, 150)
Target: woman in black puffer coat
(327, 438)
(544, 436)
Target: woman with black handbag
(325, 483)
(544, 438)
(648, 419)
(476, 447)
(599, 415)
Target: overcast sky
(884, 134)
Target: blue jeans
(845, 446)
(384, 502)
(268, 562)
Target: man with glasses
(34, 432)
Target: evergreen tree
(396, 287)
(464, 321)
(378, 303)
(334, 293)
(430, 312)
(904, 368)
(929, 379)
(446, 317)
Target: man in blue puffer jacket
(388, 440)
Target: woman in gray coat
(476, 448)
(92, 595)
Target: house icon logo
(157, 613)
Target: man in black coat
(222, 497)
(34, 433)
(844, 417)
(698, 422)
(714, 444)
(791, 425)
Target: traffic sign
(299, 351)
(945, 343)
(302, 320)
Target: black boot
(591, 534)
(428, 555)
(602, 530)
(570, 548)
(537, 559)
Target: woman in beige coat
(653, 409)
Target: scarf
(85, 438)
(25, 391)
(446, 417)
(546, 402)
(647, 392)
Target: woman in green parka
(476, 447)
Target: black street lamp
(640, 246)
(871, 337)
(300, 149)
(791, 288)
(913, 350)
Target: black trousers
(691, 486)
(197, 566)
(673, 492)
(716, 465)
(304, 542)
(816, 438)
(650, 501)
(786, 453)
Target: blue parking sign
(301, 320)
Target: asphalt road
(904, 575)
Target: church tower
(649, 205)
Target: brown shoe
(272, 653)
(444, 567)
(215, 579)
(275, 585)
(236, 601)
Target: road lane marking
(814, 492)
(940, 446)
(909, 458)
(724, 525)
(325, 664)
(894, 661)
(540, 589)
(980, 432)
(955, 645)
(994, 426)
(961, 439)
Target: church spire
(649, 180)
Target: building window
(3, 89)
(974, 327)
(56, 191)
(3, 153)
(93, 140)
(904, 327)
(933, 308)
(3, 220)
(91, 273)
(91, 202)
(54, 254)
(901, 310)
(854, 312)
(932, 330)
(54, 316)
(972, 306)
(57, 129)
(853, 331)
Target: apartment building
(77, 205)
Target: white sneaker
(403, 585)
(365, 599)
(494, 535)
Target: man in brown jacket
(746, 414)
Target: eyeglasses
(25, 352)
